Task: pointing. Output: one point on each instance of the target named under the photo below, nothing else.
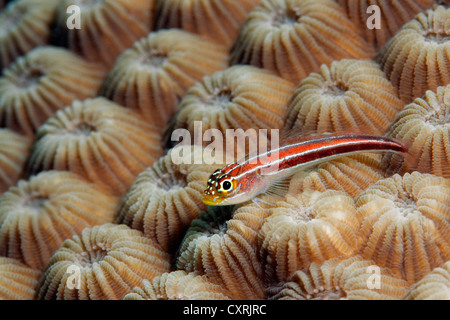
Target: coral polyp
(338, 279)
(135, 137)
(311, 227)
(17, 280)
(153, 75)
(43, 81)
(349, 94)
(425, 126)
(25, 25)
(393, 14)
(37, 215)
(287, 37)
(111, 260)
(106, 28)
(166, 197)
(416, 58)
(14, 151)
(223, 249)
(97, 139)
(178, 285)
(434, 286)
(217, 20)
(405, 224)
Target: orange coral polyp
(434, 286)
(239, 98)
(287, 37)
(42, 82)
(108, 27)
(97, 139)
(393, 14)
(153, 75)
(405, 224)
(110, 260)
(17, 281)
(216, 20)
(416, 58)
(350, 94)
(178, 285)
(165, 198)
(305, 228)
(24, 25)
(37, 215)
(339, 279)
(222, 246)
(425, 126)
(351, 174)
(14, 151)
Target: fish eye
(227, 185)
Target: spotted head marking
(220, 186)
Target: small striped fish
(261, 173)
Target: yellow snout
(211, 200)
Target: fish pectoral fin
(257, 201)
(279, 188)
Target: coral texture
(295, 37)
(239, 98)
(306, 228)
(416, 58)
(14, 151)
(217, 20)
(104, 263)
(434, 286)
(43, 81)
(222, 246)
(97, 139)
(24, 25)
(425, 126)
(17, 281)
(337, 279)
(350, 174)
(178, 285)
(106, 28)
(405, 224)
(350, 94)
(166, 197)
(153, 75)
(124, 123)
(380, 20)
(37, 215)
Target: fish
(268, 172)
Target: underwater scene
(225, 150)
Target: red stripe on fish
(250, 172)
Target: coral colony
(117, 117)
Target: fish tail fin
(398, 162)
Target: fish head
(225, 189)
